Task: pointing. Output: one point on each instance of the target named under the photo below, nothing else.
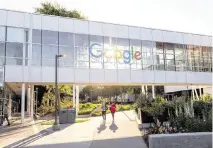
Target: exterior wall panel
(95, 28)
(66, 25)
(50, 23)
(36, 22)
(122, 31)
(15, 19)
(134, 33)
(168, 36)
(124, 76)
(3, 16)
(178, 38)
(96, 76)
(109, 30)
(146, 34)
(82, 75)
(81, 27)
(110, 76)
(136, 76)
(157, 35)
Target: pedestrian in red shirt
(113, 110)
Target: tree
(55, 9)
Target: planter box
(181, 140)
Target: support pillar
(142, 89)
(200, 92)
(22, 102)
(28, 100)
(74, 94)
(146, 89)
(193, 94)
(77, 100)
(153, 91)
(10, 105)
(32, 101)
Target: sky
(194, 16)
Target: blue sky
(195, 16)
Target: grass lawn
(52, 121)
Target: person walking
(113, 110)
(5, 115)
(104, 109)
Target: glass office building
(96, 53)
(29, 43)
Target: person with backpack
(104, 110)
(113, 110)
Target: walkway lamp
(56, 124)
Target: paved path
(123, 133)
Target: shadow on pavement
(129, 142)
(102, 127)
(30, 139)
(113, 127)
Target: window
(159, 56)
(36, 36)
(135, 47)
(2, 53)
(2, 33)
(96, 51)
(49, 37)
(69, 59)
(126, 58)
(109, 47)
(15, 35)
(36, 55)
(82, 50)
(14, 53)
(66, 39)
(48, 55)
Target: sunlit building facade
(96, 53)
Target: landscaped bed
(182, 115)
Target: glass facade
(100, 52)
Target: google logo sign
(126, 55)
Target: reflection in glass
(48, 55)
(36, 55)
(14, 50)
(69, 59)
(96, 55)
(126, 58)
(15, 35)
(36, 36)
(136, 46)
(109, 47)
(82, 50)
(2, 33)
(49, 37)
(66, 38)
(2, 53)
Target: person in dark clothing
(5, 115)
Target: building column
(153, 91)
(10, 105)
(193, 94)
(146, 89)
(28, 100)
(77, 99)
(200, 92)
(73, 95)
(22, 102)
(142, 89)
(32, 101)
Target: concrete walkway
(123, 133)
